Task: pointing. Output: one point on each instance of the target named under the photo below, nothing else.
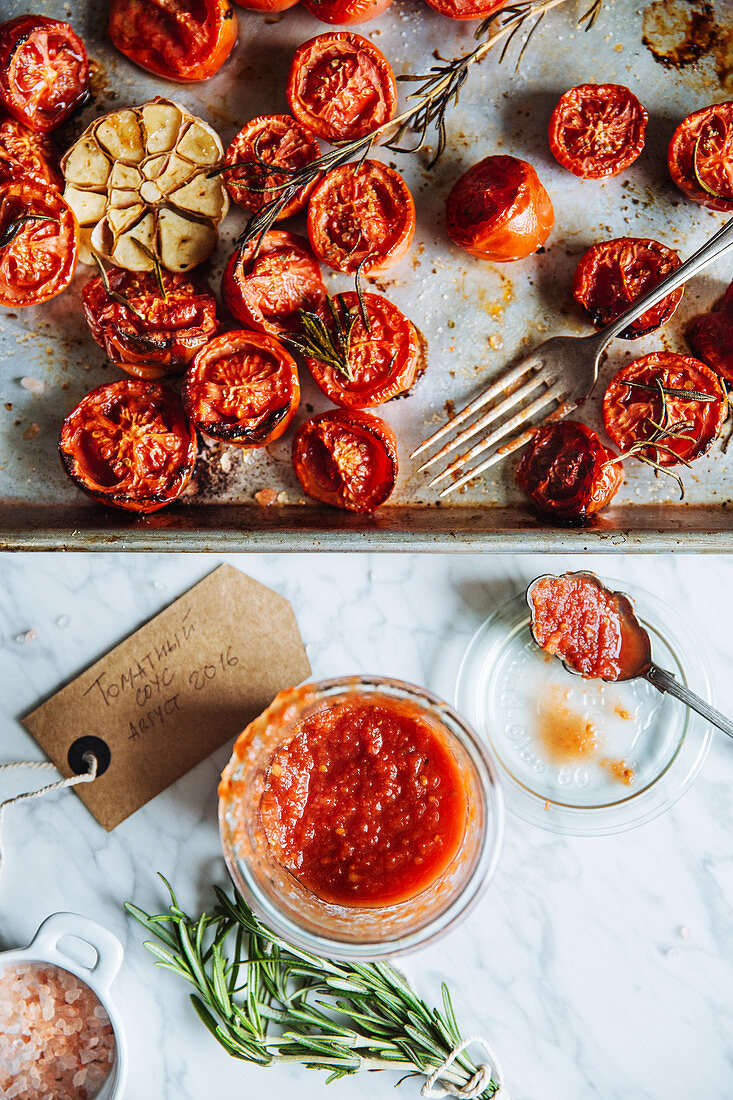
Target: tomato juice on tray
(366, 803)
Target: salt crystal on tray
(56, 1039)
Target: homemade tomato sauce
(592, 629)
(366, 804)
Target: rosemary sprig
(120, 299)
(13, 228)
(328, 343)
(437, 92)
(156, 267)
(268, 1002)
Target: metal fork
(561, 371)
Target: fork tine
(477, 403)
(520, 440)
(554, 393)
(489, 417)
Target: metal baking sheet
(476, 316)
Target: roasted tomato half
(278, 141)
(498, 210)
(700, 156)
(267, 6)
(711, 336)
(155, 335)
(612, 275)
(130, 445)
(242, 388)
(341, 86)
(377, 364)
(346, 459)
(267, 293)
(597, 130)
(361, 214)
(179, 39)
(44, 71)
(466, 9)
(346, 13)
(26, 153)
(568, 472)
(39, 241)
(644, 408)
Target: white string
(476, 1084)
(45, 765)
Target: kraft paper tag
(174, 691)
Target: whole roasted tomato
(466, 9)
(159, 332)
(597, 130)
(612, 275)
(568, 472)
(39, 241)
(346, 459)
(645, 408)
(361, 215)
(178, 39)
(278, 141)
(700, 156)
(44, 71)
(341, 86)
(129, 444)
(377, 363)
(711, 337)
(27, 153)
(267, 293)
(498, 210)
(346, 12)
(242, 388)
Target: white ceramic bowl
(45, 948)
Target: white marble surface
(572, 965)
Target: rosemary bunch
(268, 1002)
(437, 92)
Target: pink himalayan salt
(55, 1036)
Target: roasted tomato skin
(44, 71)
(40, 260)
(700, 152)
(627, 408)
(129, 445)
(164, 334)
(614, 274)
(384, 361)
(341, 87)
(361, 215)
(27, 153)
(266, 293)
(466, 9)
(567, 471)
(346, 459)
(267, 6)
(279, 140)
(498, 210)
(346, 13)
(711, 337)
(242, 388)
(597, 130)
(181, 40)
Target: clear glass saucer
(636, 751)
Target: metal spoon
(636, 653)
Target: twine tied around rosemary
(45, 765)
(486, 1072)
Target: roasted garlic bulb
(137, 180)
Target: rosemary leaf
(13, 228)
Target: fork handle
(665, 682)
(713, 249)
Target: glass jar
(356, 931)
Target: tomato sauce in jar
(591, 629)
(366, 804)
